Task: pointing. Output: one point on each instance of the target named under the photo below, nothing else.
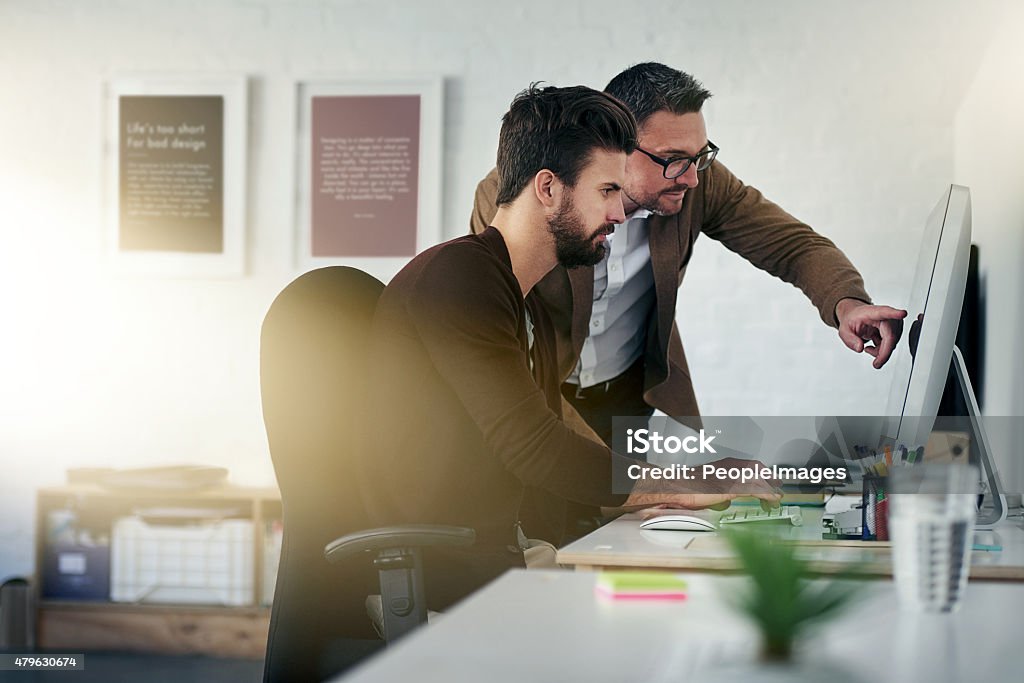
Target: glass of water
(932, 509)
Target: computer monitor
(936, 297)
(919, 376)
(920, 363)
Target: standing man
(465, 386)
(619, 350)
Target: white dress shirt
(623, 298)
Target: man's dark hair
(651, 87)
(558, 129)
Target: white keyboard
(785, 513)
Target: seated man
(465, 402)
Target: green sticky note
(635, 581)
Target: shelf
(216, 631)
(86, 624)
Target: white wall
(989, 158)
(844, 113)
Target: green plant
(781, 599)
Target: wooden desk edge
(589, 562)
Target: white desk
(550, 626)
(621, 543)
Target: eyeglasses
(677, 166)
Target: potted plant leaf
(781, 598)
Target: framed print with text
(175, 154)
(369, 168)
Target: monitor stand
(987, 517)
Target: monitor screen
(937, 295)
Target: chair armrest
(410, 535)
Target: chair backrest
(313, 351)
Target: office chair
(313, 351)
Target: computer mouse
(677, 523)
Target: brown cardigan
(725, 209)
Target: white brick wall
(989, 142)
(841, 112)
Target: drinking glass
(932, 509)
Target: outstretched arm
(745, 222)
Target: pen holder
(875, 508)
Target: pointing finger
(879, 313)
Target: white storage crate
(210, 562)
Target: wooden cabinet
(75, 527)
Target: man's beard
(572, 246)
(650, 202)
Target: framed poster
(175, 157)
(369, 168)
